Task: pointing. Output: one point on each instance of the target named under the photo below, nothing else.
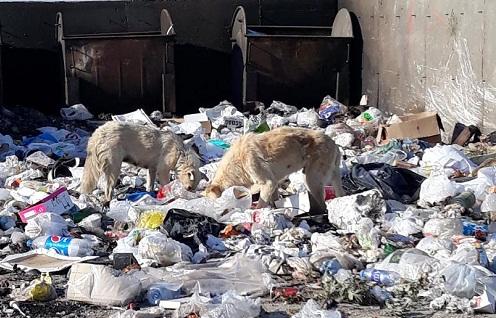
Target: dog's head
(213, 191)
(188, 169)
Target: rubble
(415, 230)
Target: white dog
(144, 146)
(260, 161)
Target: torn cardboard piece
(200, 118)
(426, 126)
(41, 260)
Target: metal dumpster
(297, 65)
(119, 72)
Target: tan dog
(260, 161)
(144, 146)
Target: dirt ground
(64, 308)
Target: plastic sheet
(456, 84)
(244, 275)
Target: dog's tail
(92, 171)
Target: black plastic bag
(394, 183)
(190, 228)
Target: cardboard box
(426, 126)
(201, 118)
(57, 202)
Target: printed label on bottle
(59, 244)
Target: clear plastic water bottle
(162, 291)
(67, 246)
(380, 277)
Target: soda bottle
(380, 277)
(67, 246)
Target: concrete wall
(430, 55)
(202, 52)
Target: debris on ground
(415, 232)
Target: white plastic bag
(447, 157)
(233, 306)
(433, 245)
(489, 204)
(46, 224)
(346, 212)
(410, 263)
(368, 236)
(443, 228)
(461, 279)
(312, 310)
(437, 188)
(164, 250)
(76, 112)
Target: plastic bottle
(162, 291)
(67, 246)
(330, 266)
(381, 295)
(380, 277)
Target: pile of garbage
(417, 227)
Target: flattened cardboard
(41, 260)
(426, 126)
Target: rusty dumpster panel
(301, 71)
(298, 65)
(120, 71)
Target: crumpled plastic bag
(346, 212)
(76, 112)
(463, 280)
(436, 189)
(434, 245)
(406, 225)
(447, 157)
(40, 289)
(330, 108)
(443, 228)
(467, 253)
(312, 310)
(489, 204)
(325, 241)
(410, 263)
(164, 250)
(102, 285)
(46, 224)
(368, 236)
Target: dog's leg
(336, 182)
(150, 180)
(111, 175)
(335, 176)
(267, 190)
(163, 176)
